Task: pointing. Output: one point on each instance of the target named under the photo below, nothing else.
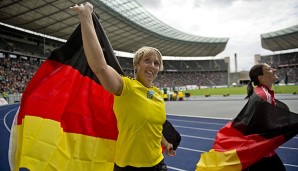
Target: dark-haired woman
(263, 77)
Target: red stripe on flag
(249, 148)
(59, 92)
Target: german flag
(257, 131)
(66, 119)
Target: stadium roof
(281, 40)
(127, 24)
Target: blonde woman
(138, 106)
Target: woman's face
(269, 75)
(147, 69)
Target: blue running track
(197, 136)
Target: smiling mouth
(149, 72)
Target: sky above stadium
(243, 21)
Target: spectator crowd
(15, 73)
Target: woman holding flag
(263, 77)
(138, 106)
(248, 142)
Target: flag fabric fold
(171, 134)
(257, 131)
(66, 119)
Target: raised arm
(109, 78)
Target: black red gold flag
(66, 119)
(257, 131)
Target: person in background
(5, 95)
(180, 96)
(139, 107)
(263, 77)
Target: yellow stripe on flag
(43, 145)
(219, 161)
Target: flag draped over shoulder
(257, 131)
(66, 120)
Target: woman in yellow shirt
(139, 107)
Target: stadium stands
(19, 61)
(286, 65)
(186, 72)
(22, 53)
(15, 73)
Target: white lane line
(174, 168)
(288, 148)
(190, 149)
(191, 136)
(204, 129)
(4, 122)
(207, 123)
(291, 165)
(192, 116)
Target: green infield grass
(290, 89)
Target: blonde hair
(146, 51)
